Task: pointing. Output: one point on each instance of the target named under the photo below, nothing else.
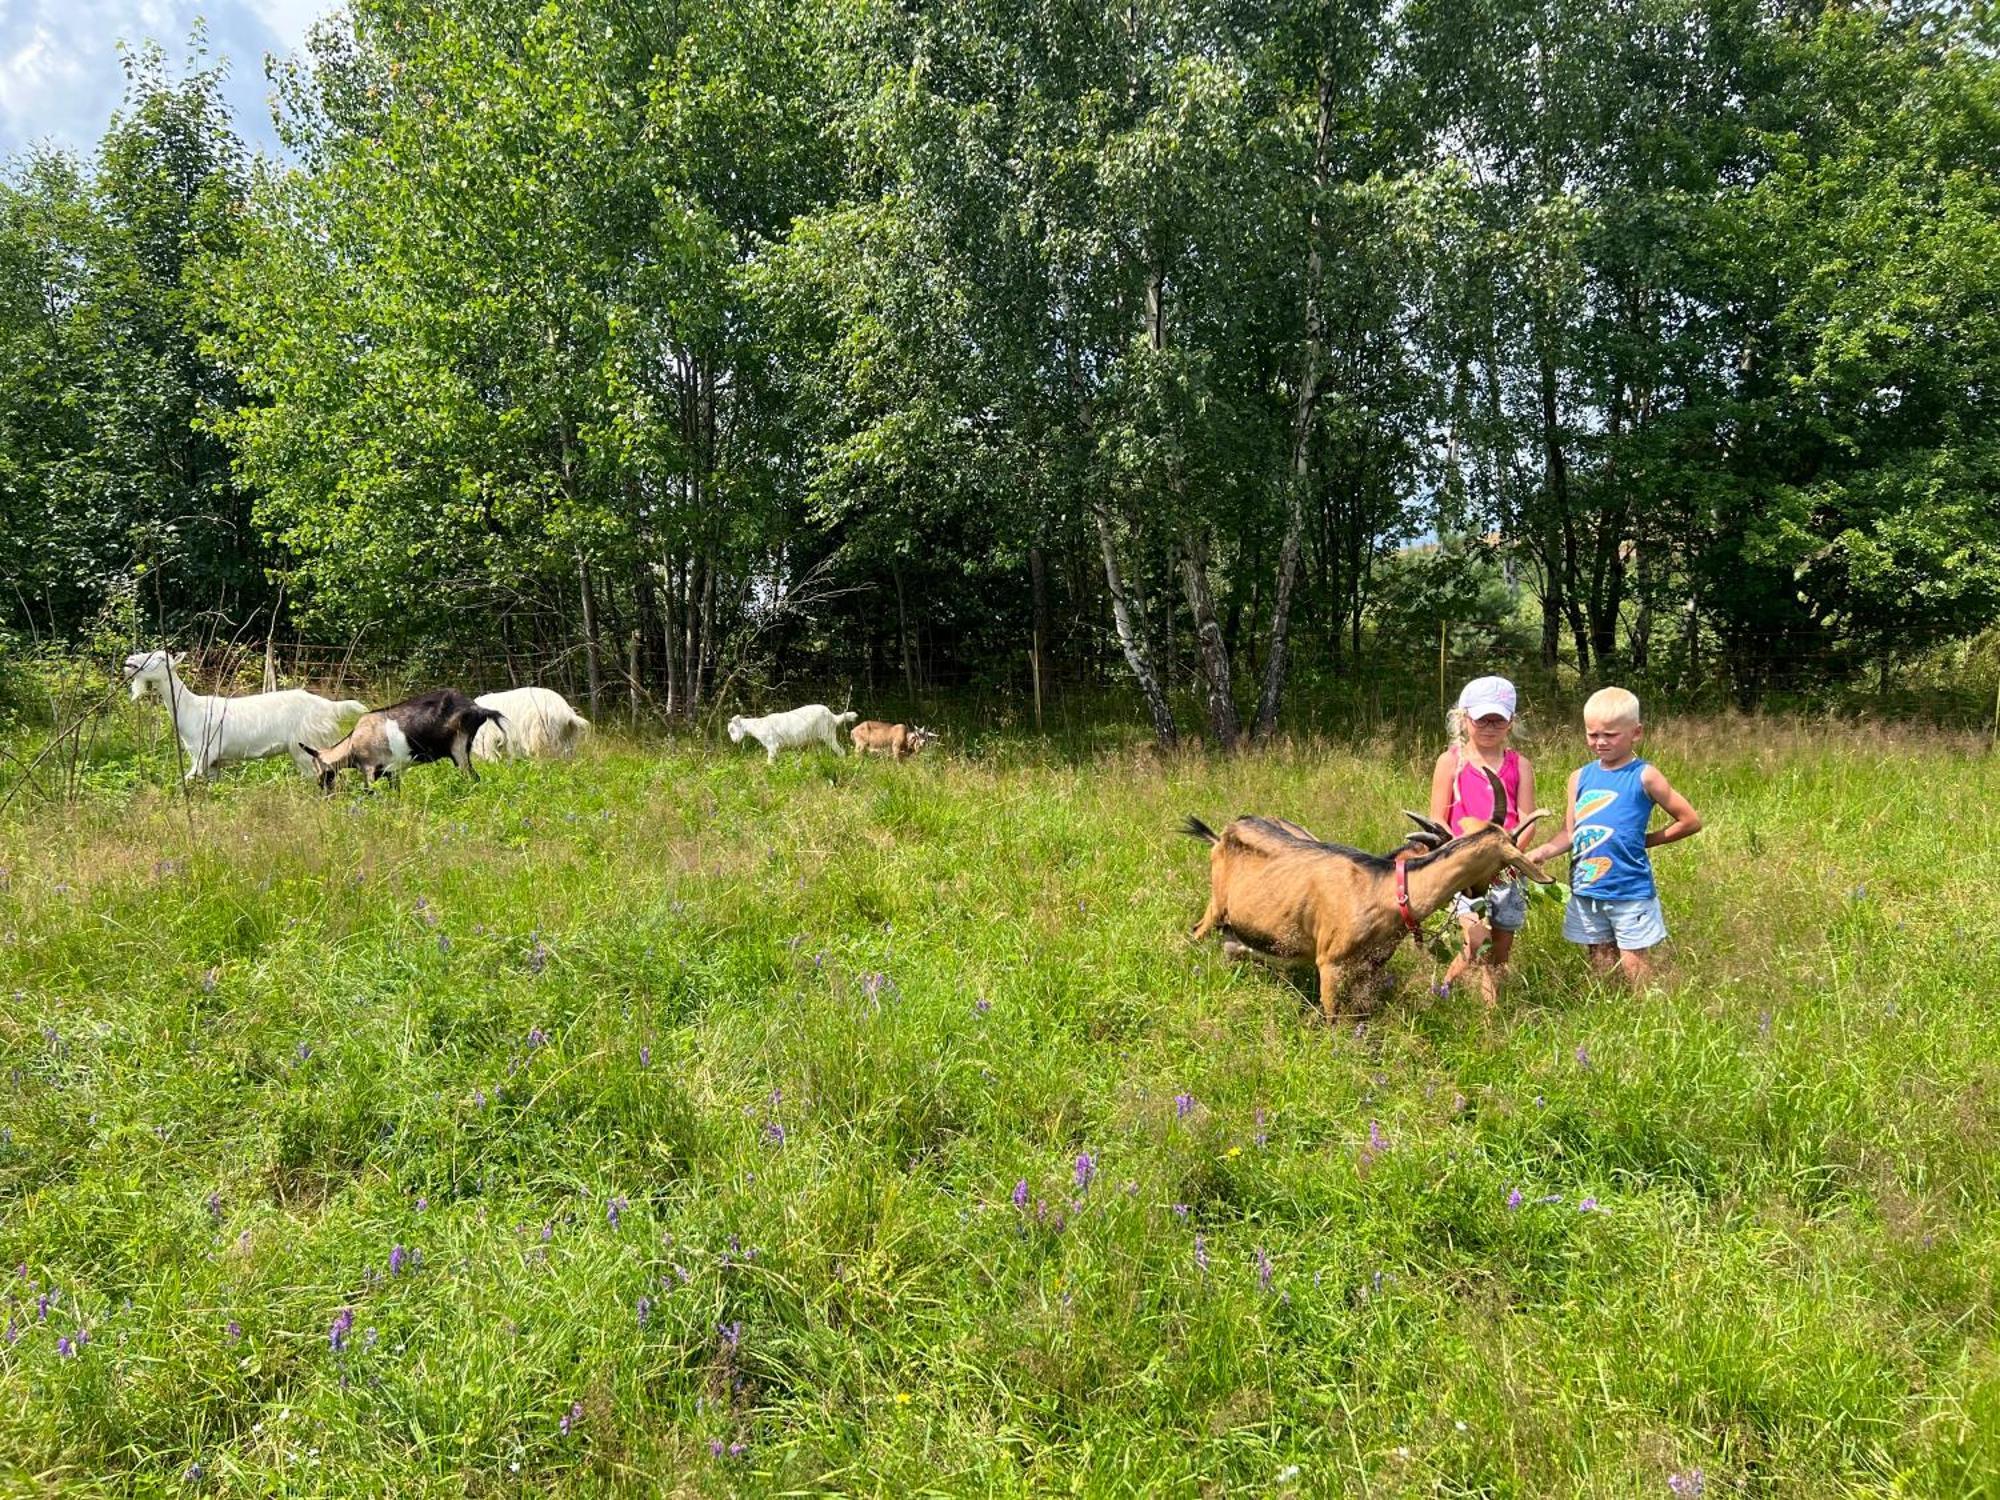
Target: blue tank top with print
(1608, 859)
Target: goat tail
(1194, 828)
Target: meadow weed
(658, 1121)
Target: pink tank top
(1471, 797)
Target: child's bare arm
(1527, 789)
(1686, 821)
(1442, 775)
(1557, 843)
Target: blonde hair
(1615, 704)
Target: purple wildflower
(1086, 1168)
(1264, 1270)
(1262, 1134)
(1021, 1193)
(737, 1450)
(1376, 1142)
(1514, 1198)
(64, 1347)
(1589, 1205)
(615, 1210)
(193, 1474)
(215, 1206)
(645, 1057)
(570, 1418)
(982, 1005)
(422, 1204)
(1201, 1254)
(478, 1098)
(42, 1307)
(1180, 1210)
(1686, 1485)
(715, 1447)
(645, 1310)
(1183, 1106)
(537, 1037)
(337, 1332)
(774, 1133)
(731, 1334)
(304, 1051)
(397, 1255)
(234, 1330)
(1582, 1057)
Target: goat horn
(1499, 796)
(1429, 825)
(1521, 831)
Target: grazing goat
(539, 724)
(217, 729)
(873, 737)
(1290, 899)
(431, 726)
(793, 730)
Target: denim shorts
(1632, 925)
(1506, 907)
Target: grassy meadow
(663, 1123)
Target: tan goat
(873, 737)
(1289, 899)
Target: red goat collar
(1410, 923)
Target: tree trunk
(591, 666)
(1304, 410)
(1038, 582)
(1138, 655)
(1555, 519)
(1214, 651)
(903, 636)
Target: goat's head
(146, 670)
(1509, 844)
(324, 773)
(736, 730)
(920, 737)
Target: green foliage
(775, 335)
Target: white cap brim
(1487, 706)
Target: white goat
(794, 729)
(214, 730)
(539, 724)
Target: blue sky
(60, 76)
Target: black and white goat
(437, 725)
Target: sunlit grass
(697, 1095)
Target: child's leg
(1636, 964)
(1494, 969)
(1476, 934)
(1603, 957)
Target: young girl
(1480, 727)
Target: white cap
(1488, 695)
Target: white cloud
(61, 78)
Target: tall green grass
(696, 1096)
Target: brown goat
(873, 737)
(1287, 898)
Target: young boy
(1613, 909)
